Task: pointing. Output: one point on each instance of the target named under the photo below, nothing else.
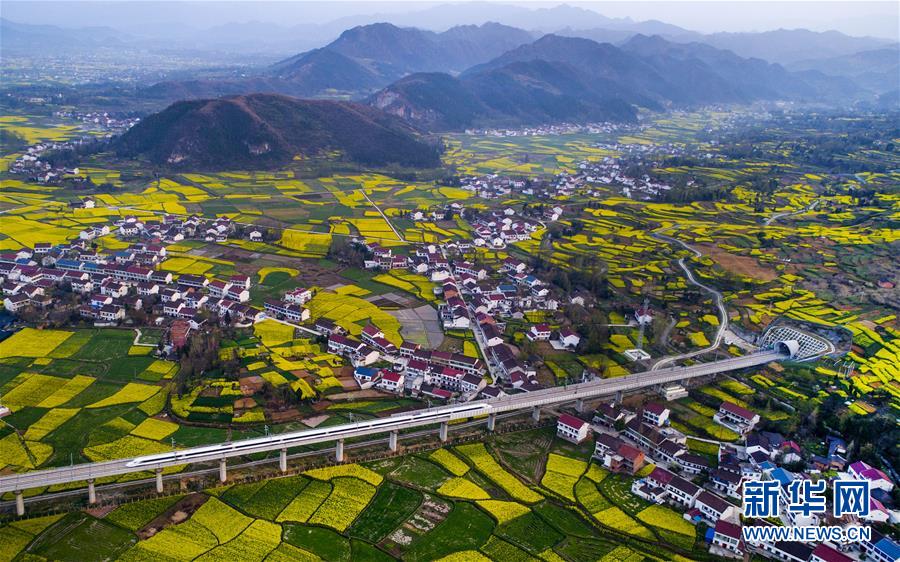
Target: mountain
(878, 70)
(614, 70)
(383, 52)
(574, 79)
(786, 46)
(22, 38)
(358, 62)
(721, 74)
(543, 19)
(264, 130)
(326, 69)
(519, 93)
(393, 50)
(749, 78)
(432, 99)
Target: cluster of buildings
(36, 170)
(496, 229)
(110, 285)
(99, 120)
(626, 441)
(494, 186)
(423, 372)
(610, 171)
(172, 229)
(551, 130)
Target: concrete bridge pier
(392, 440)
(223, 471)
(282, 460)
(579, 405)
(339, 450)
(159, 481)
(492, 422)
(20, 503)
(92, 492)
(536, 413)
(618, 398)
(445, 428)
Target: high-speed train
(301, 437)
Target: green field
(402, 520)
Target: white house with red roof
(567, 338)
(727, 536)
(655, 414)
(299, 295)
(714, 508)
(390, 381)
(539, 332)
(736, 418)
(370, 333)
(660, 477)
(572, 429)
(240, 281)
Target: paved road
(717, 297)
(480, 340)
(426, 417)
(777, 216)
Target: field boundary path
(137, 337)
(384, 216)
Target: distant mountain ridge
(877, 70)
(362, 60)
(494, 73)
(263, 130)
(559, 78)
(390, 52)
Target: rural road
(775, 217)
(717, 297)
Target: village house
(714, 508)
(390, 381)
(280, 309)
(736, 418)
(471, 384)
(877, 479)
(727, 535)
(683, 491)
(655, 414)
(539, 332)
(566, 338)
(572, 429)
(825, 553)
(727, 482)
(880, 548)
(626, 459)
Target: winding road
(717, 297)
(777, 216)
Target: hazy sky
(855, 18)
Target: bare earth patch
(743, 265)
